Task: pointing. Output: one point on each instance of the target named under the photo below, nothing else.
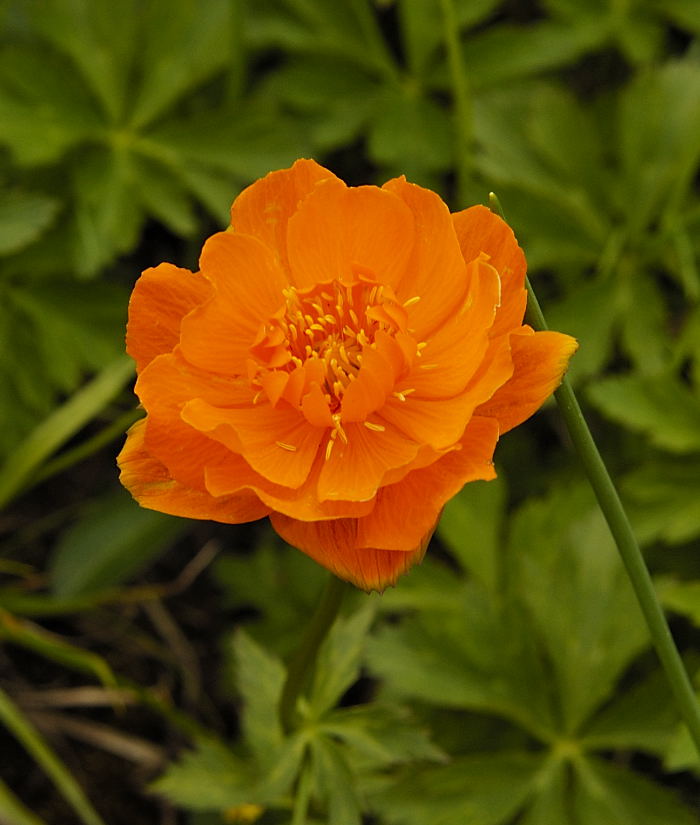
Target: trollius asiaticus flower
(344, 361)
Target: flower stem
(627, 545)
(303, 659)
(462, 102)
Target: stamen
(353, 316)
(411, 301)
(429, 366)
(378, 428)
(290, 447)
(256, 397)
(339, 428)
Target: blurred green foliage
(508, 679)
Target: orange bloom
(344, 361)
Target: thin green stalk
(303, 660)
(16, 722)
(462, 102)
(627, 545)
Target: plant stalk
(627, 545)
(302, 662)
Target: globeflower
(344, 362)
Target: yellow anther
(411, 301)
(290, 447)
(379, 428)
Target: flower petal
(481, 230)
(234, 474)
(435, 272)
(354, 471)
(164, 387)
(161, 298)
(339, 231)
(540, 360)
(333, 544)
(264, 208)
(278, 443)
(405, 511)
(150, 483)
(452, 355)
(248, 284)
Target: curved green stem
(303, 660)
(627, 545)
(621, 529)
(462, 101)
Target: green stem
(627, 545)
(462, 102)
(303, 660)
(621, 530)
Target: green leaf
(570, 576)
(422, 27)
(287, 584)
(100, 38)
(63, 423)
(684, 598)
(162, 195)
(247, 142)
(641, 719)
(659, 406)
(507, 52)
(339, 661)
(659, 119)
(410, 133)
(23, 217)
(478, 655)
(485, 789)
(587, 313)
(663, 497)
(186, 43)
(334, 782)
(112, 541)
(259, 677)
(550, 802)
(209, 778)
(45, 108)
(606, 793)
(381, 735)
(470, 527)
(108, 216)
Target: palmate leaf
(339, 660)
(475, 655)
(470, 527)
(658, 123)
(573, 583)
(59, 333)
(662, 496)
(604, 792)
(45, 108)
(379, 735)
(287, 584)
(486, 789)
(259, 679)
(659, 406)
(209, 778)
(23, 217)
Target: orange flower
(344, 361)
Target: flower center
(323, 332)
